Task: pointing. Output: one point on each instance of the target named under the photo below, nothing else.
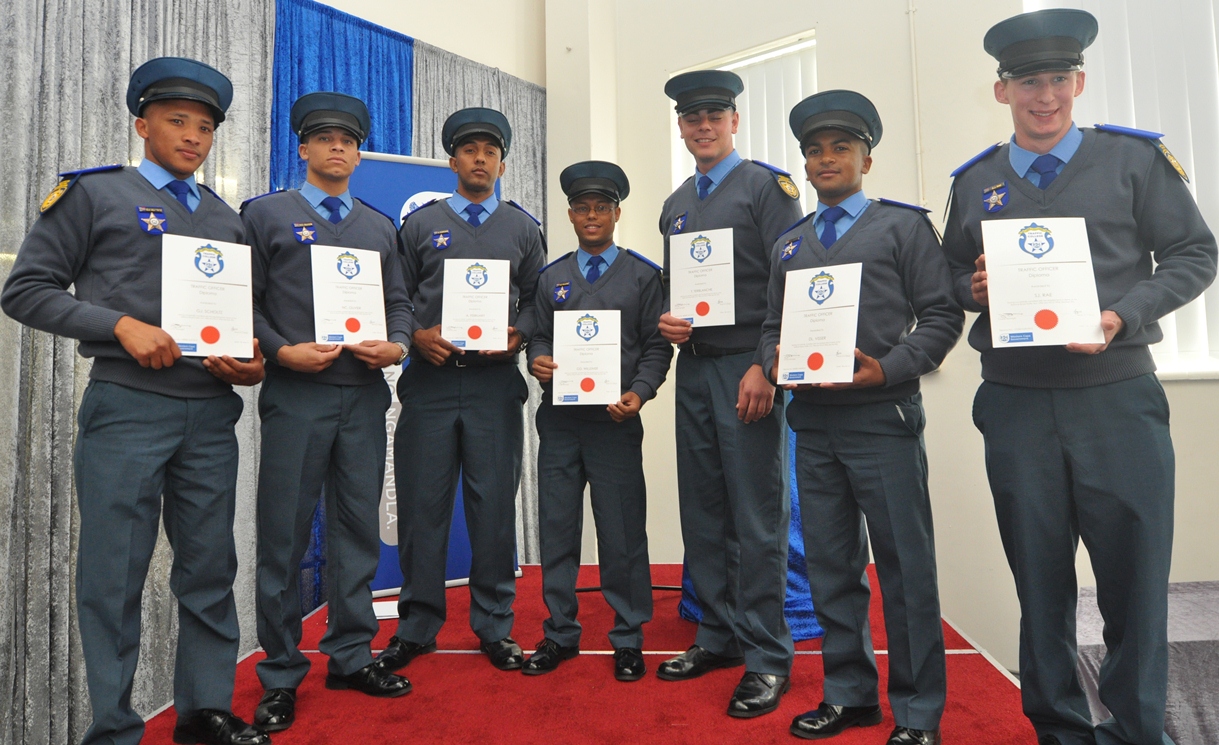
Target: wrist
(405, 351)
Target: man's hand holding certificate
(1039, 281)
(348, 299)
(702, 283)
(820, 320)
(588, 357)
(475, 311)
(206, 305)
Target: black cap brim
(181, 89)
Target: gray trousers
(867, 462)
(469, 421)
(734, 514)
(142, 456)
(1094, 463)
(318, 437)
(608, 456)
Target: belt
(701, 349)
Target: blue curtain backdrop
(318, 48)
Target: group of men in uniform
(1077, 438)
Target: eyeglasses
(601, 209)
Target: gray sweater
(905, 282)
(1137, 209)
(434, 232)
(631, 285)
(93, 238)
(751, 202)
(283, 278)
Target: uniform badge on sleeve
(679, 224)
(60, 189)
(994, 198)
(304, 232)
(440, 239)
(1172, 160)
(791, 248)
(152, 219)
(789, 187)
(561, 291)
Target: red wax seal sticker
(353, 325)
(1046, 319)
(702, 308)
(815, 361)
(587, 385)
(210, 334)
(474, 332)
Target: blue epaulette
(895, 203)
(966, 165)
(522, 209)
(783, 178)
(769, 167)
(556, 261)
(246, 203)
(417, 209)
(379, 212)
(799, 222)
(67, 179)
(1154, 137)
(645, 260)
(209, 190)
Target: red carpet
(460, 698)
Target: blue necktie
(704, 186)
(333, 204)
(593, 272)
(474, 210)
(180, 189)
(1046, 167)
(829, 233)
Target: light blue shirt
(159, 177)
(314, 197)
(1022, 160)
(459, 204)
(608, 254)
(854, 205)
(719, 171)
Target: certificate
(820, 318)
(588, 352)
(1040, 284)
(348, 299)
(701, 281)
(474, 314)
(206, 305)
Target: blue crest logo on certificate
(587, 327)
(700, 249)
(209, 260)
(348, 297)
(206, 305)
(702, 283)
(820, 320)
(588, 352)
(476, 275)
(474, 309)
(821, 288)
(349, 265)
(1036, 240)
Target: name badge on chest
(152, 220)
(791, 248)
(305, 232)
(679, 224)
(561, 291)
(441, 239)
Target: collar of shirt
(1022, 160)
(719, 171)
(314, 196)
(854, 205)
(608, 254)
(159, 177)
(459, 204)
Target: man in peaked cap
(731, 446)
(155, 427)
(859, 445)
(596, 445)
(322, 408)
(462, 410)
(1077, 436)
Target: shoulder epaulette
(209, 190)
(798, 223)
(966, 165)
(418, 209)
(1156, 140)
(783, 178)
(247, 202)
(67, 179)
(645, 260)
(895, 203)
(556, 261)
(769, 167)
(522, 209)
(379, 212)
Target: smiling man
(156, 430)
(731, 447)
(1077, 436)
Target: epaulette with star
(784, 178)
(68, 179)
(249, 201)
(1154, 137)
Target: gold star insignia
(995, 199)
(679, 222)
(442, 239)
(305, 234)
(789, 249)
(153, 222)
(560, 293)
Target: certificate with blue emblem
(474, 314)
(1040, 284)
(206, 302)
(588, 353)
(702, 283)
(820, 321)
(348, 298)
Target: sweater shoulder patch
(783, 178)
(895, 203)
(251, 200)
(67, 180)
(556, 261)
(645, 260)
(1154, 137)
(379, 212)
(522, 209)
(209, 190)
(798, 223)
(969, 163)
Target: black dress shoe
(694, 662)
(277, 709)
(828, 720)
(757, 694)
(505, 653)
(215, 727)
(400, 652)
(628, 664)
(371, 679)
(548, 656)
(907, 736)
